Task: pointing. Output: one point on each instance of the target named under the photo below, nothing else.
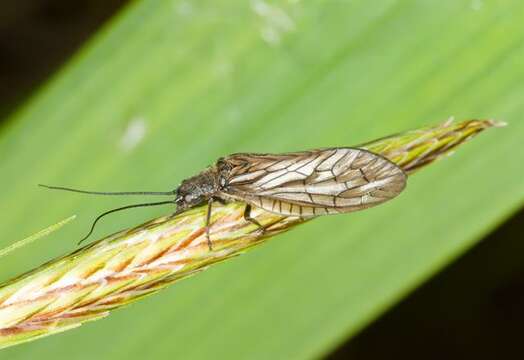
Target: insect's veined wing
(316, 182)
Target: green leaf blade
(344, 76)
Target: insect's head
(186, 196)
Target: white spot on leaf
(133, 134)
(275, 21)
(270, 35)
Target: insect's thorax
(198, 189)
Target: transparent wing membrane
(317, 182)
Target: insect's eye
(188, 198)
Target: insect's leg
(208, 220)
(247, 217)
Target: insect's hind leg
(247, 217)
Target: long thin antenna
(119, 209)
(110, 192)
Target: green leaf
(168, 87)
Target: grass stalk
(87, 284)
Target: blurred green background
(166, 87)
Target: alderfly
(302, 184)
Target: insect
(303, 184)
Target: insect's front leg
(208, 220)
(247, 217)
